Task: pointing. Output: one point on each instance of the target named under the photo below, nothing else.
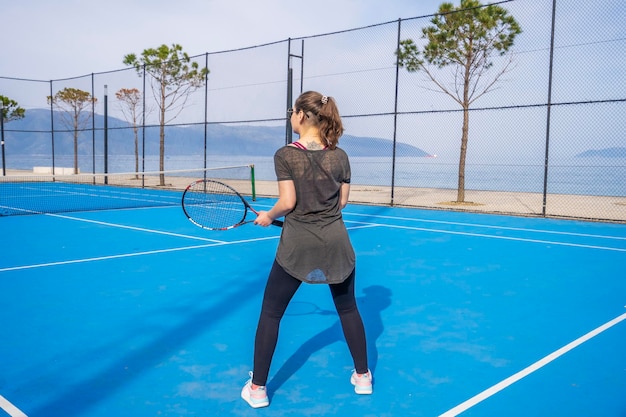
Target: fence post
(547, 154)
(143, 129)
(395, 115)
(4, 168)
(52, 126)
(288, 131)
(106, 134)
(206, 108)
(93, 126)
(301, 66)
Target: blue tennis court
(137, 312)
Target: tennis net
(32, 193)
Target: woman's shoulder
(339, 153)
(285, 149)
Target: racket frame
(247, 206)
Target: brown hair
(322, 112)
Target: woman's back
(318, 177)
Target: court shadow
(199, 317)
(376, 299)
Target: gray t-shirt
(314, 245)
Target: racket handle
(278, 223)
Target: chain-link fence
(547, 140)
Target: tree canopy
(465, 38)
(130, 101)
(72, 103)
(11, 110)
(174, 76)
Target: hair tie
(324, 99)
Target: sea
(579, 176)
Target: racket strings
(214, 205)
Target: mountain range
(615, 152)
(31, 136)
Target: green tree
(464, 38)
(174, 78)
(130, 102)
(11, 110)
(72, 104)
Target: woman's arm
(286, 202)
(344, 194)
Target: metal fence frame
(597, 207)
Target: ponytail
(322, 111)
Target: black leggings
(279, 290)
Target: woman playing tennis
(313, 183)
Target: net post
(4, 169)
(253, 182)
(106, 134)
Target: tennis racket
(214, 205)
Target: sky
(67, 38)
(58, 40)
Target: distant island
(31, 136)
(615, 152)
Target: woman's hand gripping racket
(216, 206)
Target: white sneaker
(362, 383)
(256, 398)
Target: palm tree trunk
(460, 196)
(162, 155)
(162, 137)
(76, 152)
(76, 144)
(136, 150)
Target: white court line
(519, 239)
(363, 225)
(140, 229)
(487, 226)
(532, 368)
(10, 409)
(152, 252)
(133, 254)
(103, 258)
(218, 243)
